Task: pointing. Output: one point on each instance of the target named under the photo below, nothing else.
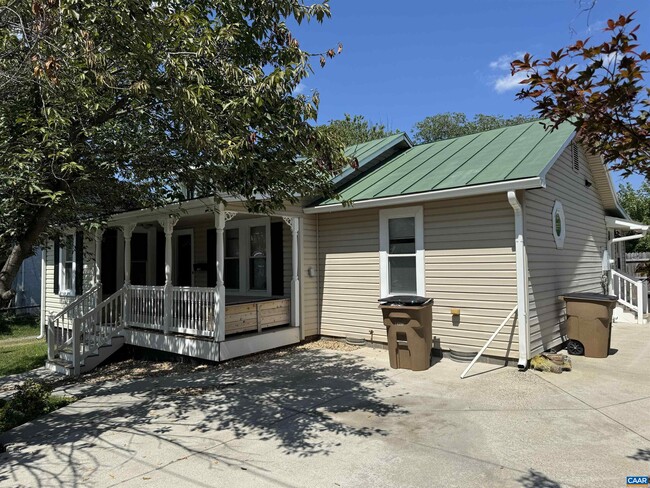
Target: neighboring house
(485, 223)
(27, 285)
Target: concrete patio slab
(321, 418)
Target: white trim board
(465, 191)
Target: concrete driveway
(325, 418)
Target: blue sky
(405, 60)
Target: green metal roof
(368, 153)
(511, 153)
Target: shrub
(31, 400)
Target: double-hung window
(67, 266)
(257, 267)
(401, 251)
(247, 264)
(231, 259)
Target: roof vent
(575, 156)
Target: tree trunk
(22, 249)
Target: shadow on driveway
(174, 416)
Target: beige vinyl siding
(310, 298)
(54, 303)
(349, 274)
(287, 242)
(576, 267)
(469, 264)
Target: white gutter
(623, 224)
(43, 289)
(465, 191)
(522, 282)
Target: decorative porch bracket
(221, 216)
(294, 223)
(168, 225)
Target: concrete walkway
(331, 419)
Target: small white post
(640, 301)
(51, 338)
(76, 345)
(44, 321)
(168, 226)
(221, 216)
(97, 278)
(127, 230)
(220, 289)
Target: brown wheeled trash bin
(408, 326)
(589, 323)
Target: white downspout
(522, 282)
(43, 289)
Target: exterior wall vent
(575, 157)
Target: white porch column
(221, 216)
(127, 230)
(97, 278)
(168, 226)
(294, 223)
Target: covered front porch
(202, 279)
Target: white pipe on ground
(485, 346)
(522, 281)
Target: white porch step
(63, 364)
(624, 314)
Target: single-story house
(486, 223)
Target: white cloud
(610, 58)
(505, 81)
(502, 63)
(300, 89)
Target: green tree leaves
(455, 124)
(355, 129)
(600, 88)
(108, 106)
(637, 204)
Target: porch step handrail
(631, 292)
(59, 326)
(97, 328)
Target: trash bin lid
(405, 300)
(591, 297)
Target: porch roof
(625, 224)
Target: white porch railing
(147, 306)
(59, 326)
(96, 328)
(193, 310)
(632, 293)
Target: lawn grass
(20, 351)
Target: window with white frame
(67, 266)
(231, 259)
(258, 254)
(401, 250)
(247, 263)
(558, 224)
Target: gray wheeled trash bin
(408, 326)
(589, 323)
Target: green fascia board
(511, 153)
